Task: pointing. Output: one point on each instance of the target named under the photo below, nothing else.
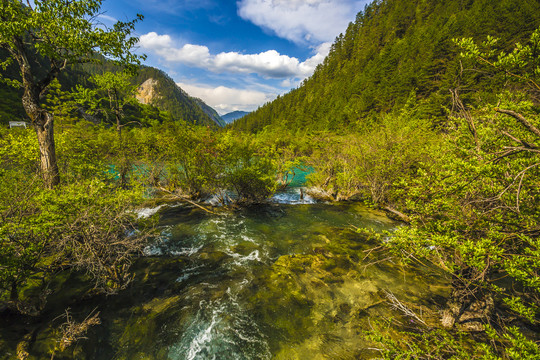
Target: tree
(111, 93)
(475, 214)
(46, 38)
(61, 105)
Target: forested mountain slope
(210, 111)
(174, 100)
(169, 97)
(394, 50)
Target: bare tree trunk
(42, 120)
(118, 127)
(47, 152)
(43, 123)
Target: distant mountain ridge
(211, 112)
(232, 116)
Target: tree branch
(521, 119)
(532, 82)
(520, 141)
(186, 200)
(131, 122)
(519, 149)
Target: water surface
(288, 280)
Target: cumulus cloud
(301, 21)
(268, 64)
(224, 99)
(153, 41)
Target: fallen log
(397, 215)
(186, 200)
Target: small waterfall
(293, 196)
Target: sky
(235, 55)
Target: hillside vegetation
(169, 97)
(394, 50)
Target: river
(292, 279)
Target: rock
(477, 314)
(145, 92)
(470, 317)
(320, 194)
(214, 257)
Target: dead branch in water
(186, 200)
(398, 305)
(73, 331)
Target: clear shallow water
(287, 280)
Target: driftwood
(398, 215)
(187, 200)
(73, 331)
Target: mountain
(232, 116)
(208, 110)
(396, 52)
(167, 96)
(155, 88)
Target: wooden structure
(13, 124)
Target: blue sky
(235, 55)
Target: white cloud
(107, 18)
(193, 55)
(224, 99)
(302, 21)
(153, 41)
(268, 64)
(287, 83)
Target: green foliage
(393, 48)
(61, 105)
(522, 64)
(198, 162)
(44, 38)
(251, 174)
(18, 149)
(438, 344)
(65, 32)
(370, 164)
(111, 92)
(82, 152)
(474, 213)
(83, 225)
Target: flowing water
(287, 280)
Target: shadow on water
(276, 281)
